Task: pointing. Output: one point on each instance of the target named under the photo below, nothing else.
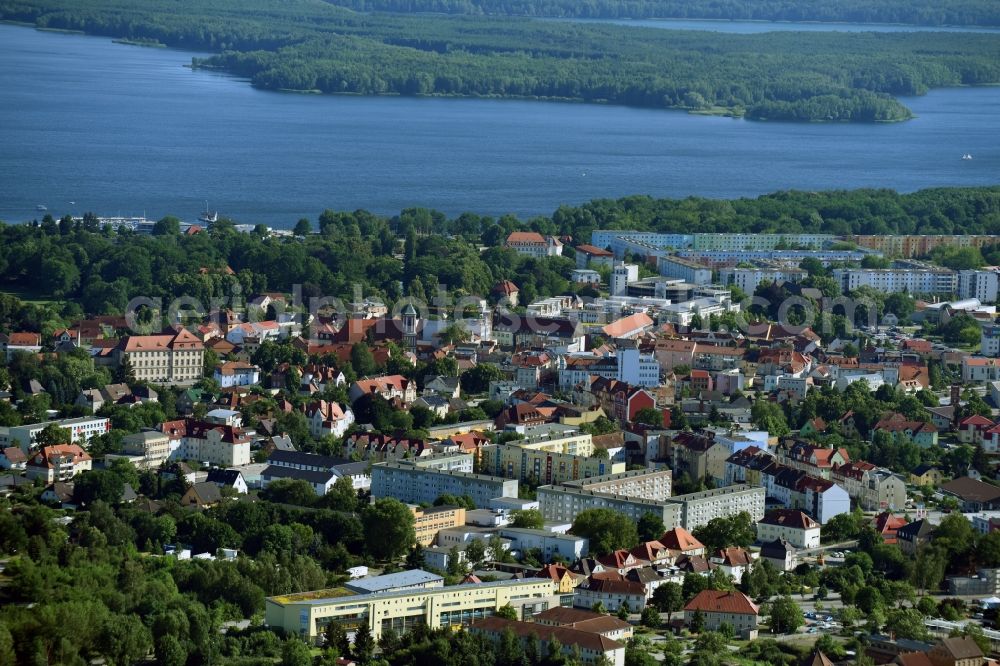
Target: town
(711, 448)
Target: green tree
(606, 530)
(786, 616)
(668, 598)
(302, 227)
(167, 226)
(649, 417)
(527, 518)
(364, 644)
(650, 617)
(53, 435)
(477, 380)
(507, 612)
(650, 526)
(736, 530)
(388, 528)
(97, 485)
(770, 417)
(295, 653)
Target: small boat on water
(209, 215)
(41, 208)
(967, 156)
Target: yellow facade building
(513, 461)
(428, 522)
(308, 613)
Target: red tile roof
(680, 539)
(716, 601)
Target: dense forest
(919, 12)
(309, 45)
(98, 272)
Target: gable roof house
(58, 463)
(719, 607)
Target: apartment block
(515, 462)
(982, 285)
(415, 485)
(428, 522)
(910, 246)
(563, 503)
(748, 279)
(80, 431)
(894, 280)
(308, 613)
(699, 508)
(556, 438)
(650, 484)
(684, 269)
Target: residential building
(550, 544)
(237, 373)
(228, 478)
(872, 488)
(921, 433)
(612, 594)
(914, 536)
(428, 522)
(621, 276)
(585, 620)
(12, 343)
(147, 449)
(328, 418)
(389, 387)
(957, 651)
(592, 648)
(589, 256)
(682, 314)
(719, 607)
(989, 341)
(748, 279)
(634, 367)
(175, 358)
(58, 463)
(80, 429)
(515, 462)
(585, 276)
(698, 455)
(557, 334)
(213, 443)
(978, 369)
(416, 485)
(562, 503)
(909, 246)
(734, 562)
(320, 480)
(650, 484)
(533, 244)
(685, 269)
(790, 525)
(12, 457)
(939, 281)
(307, 613)
(979, 284)
(780, 553)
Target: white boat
(967, 156)
(41, 208)
(209, 215)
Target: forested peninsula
(310, 45)
(913, 12)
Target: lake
(129, 130)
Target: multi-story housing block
(416, 485)
(941, 281)
(539, 466)
(650, 484)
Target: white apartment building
(981, 284)
(684, 269)
(650, 484)
(794, 526)
(989, 341)
(895, 280)
(81, 429)
(416, 485)
(621, 275)
(748, 279)
(683, 313)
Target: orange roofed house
(11, 343)
(58, 463)
(533, 244)
(168, 358)
(390, 387)
(718, 608)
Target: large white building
(895, 280)
(621, 275)
(990, 341)
(684, 269)
(748, 279)
(80, 431)
(981, 284)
